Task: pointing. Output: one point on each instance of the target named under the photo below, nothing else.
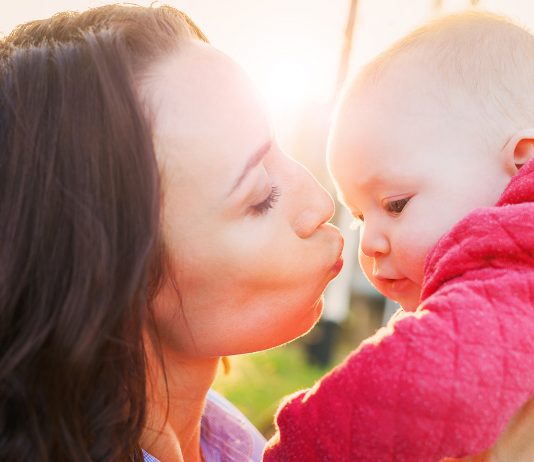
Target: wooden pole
(437, 5)
(347, 47)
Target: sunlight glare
(289, 84)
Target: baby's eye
(396, 206)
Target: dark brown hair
(79, 226)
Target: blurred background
(299, 53)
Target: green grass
(257, 382)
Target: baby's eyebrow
(377, 179)
(390, 179)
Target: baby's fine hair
(480, 56)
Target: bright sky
(291, 48)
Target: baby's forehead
(480, 55)
(399, 108)
(454, 88)
(476, 69)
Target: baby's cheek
(414, 255)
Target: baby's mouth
(399, 285)
(394, 288)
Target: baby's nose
(373, 243)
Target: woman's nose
(315, 205)
(373, 242)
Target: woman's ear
(519, 149)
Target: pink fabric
(443, 381)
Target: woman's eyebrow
(254, 160)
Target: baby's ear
(520, 148)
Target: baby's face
(408, 167)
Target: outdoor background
(298, 52)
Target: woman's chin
(300, 327)
(317, 310)
(311, 319)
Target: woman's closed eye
(264, 206)
(396, 206)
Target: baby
(433, 137)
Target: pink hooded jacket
(442, 381)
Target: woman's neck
(175, 404)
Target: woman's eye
(396, 206)
(264, 206)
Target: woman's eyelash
(397, 206)
(268, 203)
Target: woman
(149, 225)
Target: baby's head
(430, 130)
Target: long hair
(79, 231)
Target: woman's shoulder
(149, 457)
(226, 434)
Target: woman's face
(245, 226)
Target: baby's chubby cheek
(411, 263)
(411, 256)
